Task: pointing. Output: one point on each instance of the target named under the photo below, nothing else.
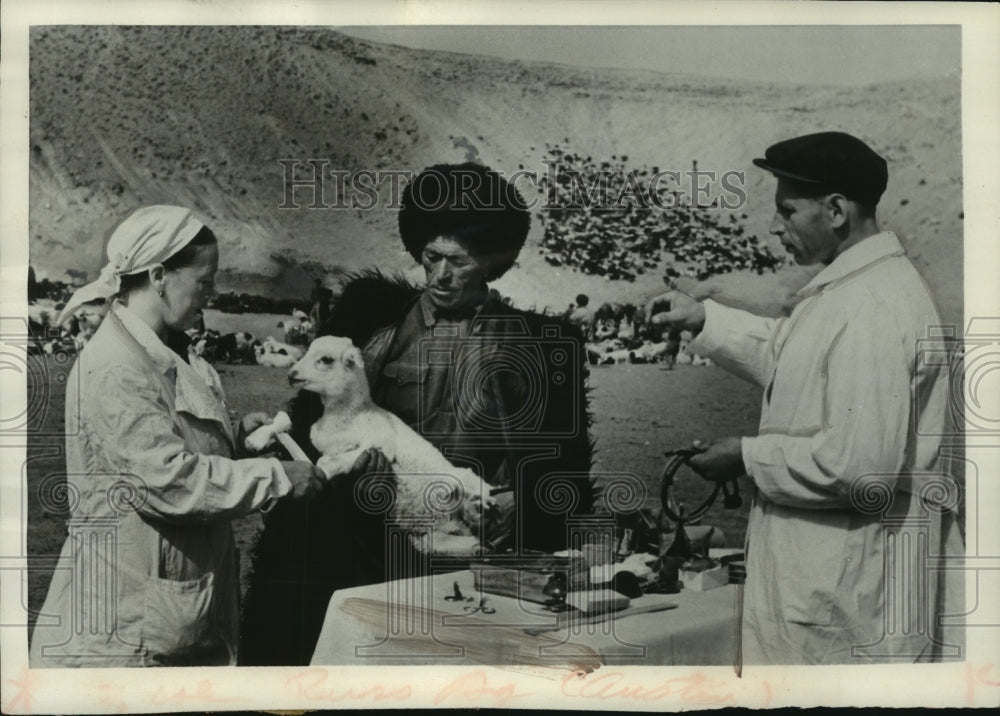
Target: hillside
(201, 115)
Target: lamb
(270, 345)
(614, 357)
(273, 360)
(649, 352)
(597, 350)
(275, 354)
(351, 423)
(236, 348)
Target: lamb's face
(332, 367)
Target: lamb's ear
(352, 357)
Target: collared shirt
(418, 383)
(847, 402)
(197, 384)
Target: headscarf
(148, 237)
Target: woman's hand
(307, 479)
(249, 423)
(252, 421)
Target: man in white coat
(849, 501)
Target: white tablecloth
(409, 622)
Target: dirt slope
(201, 116)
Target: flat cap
(832, 161)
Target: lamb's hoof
(454, 544)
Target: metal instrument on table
(481, 607)
(456, 595)
(680, 550)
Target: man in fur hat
(495, 389)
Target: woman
(149, 575)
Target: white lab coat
(849, 437)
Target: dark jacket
(307, 551)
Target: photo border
(976, 682)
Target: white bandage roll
(265, 434)
(296, 452)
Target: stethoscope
(675, 458)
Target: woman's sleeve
(128, 421)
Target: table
(409, 622)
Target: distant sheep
(649, 352)
(235, 348)
(274, 360)
(275, 354)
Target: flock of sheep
(241, 347)
(620, 333)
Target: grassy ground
(640, 411)
(261, 325)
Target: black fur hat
(468, 202)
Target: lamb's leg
(341, 464)
(474, 509)
(454, 544)
(443, 543)
(477, 500)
